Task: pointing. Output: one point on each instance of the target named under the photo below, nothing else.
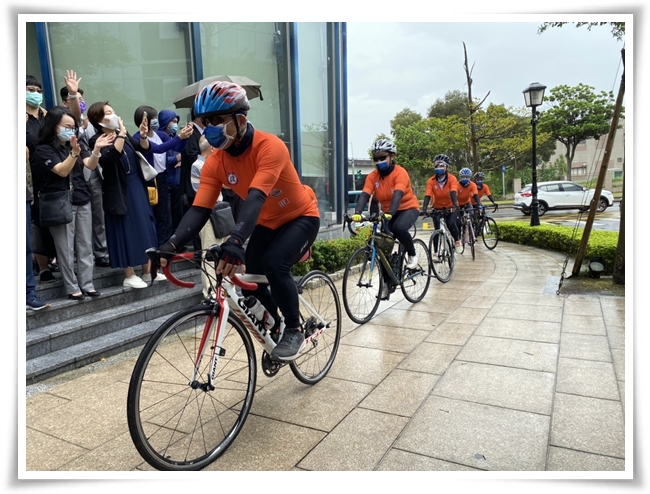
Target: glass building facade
(300, 67)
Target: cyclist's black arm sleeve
(425, 204)
(454, 198)
(247, 217)
(190, 225)
(361, 202)
(477, 200)
(491, 199)
(395, 201)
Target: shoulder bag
(55, 208)
(222, 219)
(148, 171)
(153, 193)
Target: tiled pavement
(490, 372)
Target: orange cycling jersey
(266, 166)
(440, 194)
(484, 191)
(383, 188)
(466, 194)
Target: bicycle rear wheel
(413, 231)
(442, 251)
(176, 424)
(490, 233)
(415, 282)
(362, 284)
(319, 300)
(472, 240)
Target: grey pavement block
(400, 318)
(561, 459)
(358, 443)
(586, 347)
(429, 306)
(614, 317)
(404, 461)
(541, 331)
(118, 454)
(587, 378)
(401, 393)
(480, 301)
(616, 337)
(582, 306)
(619, 363)
(321, 406)
(464, 316)
(45, 452)
(267, 445)
(588, 424)
(505, 310)
(364, 365)
(391, 338)
(506, 387)
(511, 353)
(527, 299)
(451, 333)
(621, 390)
(583, 324)
(476, 435)
(432, 358)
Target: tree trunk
(472, 110)
(569, 159)
(619, 261)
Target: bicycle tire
(472, 241)
(415, 283)
(413, 231)
(445, 253)
(490, 233)
(177, 426)
(314, 362)
(360, 298)
(462, 242)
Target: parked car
(353, 197)
(560, 195)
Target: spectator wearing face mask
(60, 157)
(159, 144)
(168, 121)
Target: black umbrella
(185, 98)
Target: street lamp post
(534, 96)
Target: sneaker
(289, 346)
(147, 278)
(435, 258)
(134, 282)
(459, 247)
(103, 262)
(412, 262)
(47, 276)
(36, 303)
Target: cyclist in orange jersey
(442, 190)
(483, 189)
(279, 213)
(391, 186)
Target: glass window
(31, 52)
(314, 108)
(550, 188)
(128, 64)
(254, 50)
(571, 188)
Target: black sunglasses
(214, 120)
(379, 158)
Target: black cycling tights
(452, 223)
(273, 253)
(400, 224)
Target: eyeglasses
(69, 127)
(380, 158)
(214, 120)
(33, 89)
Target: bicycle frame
(227, 299)
(444, 229)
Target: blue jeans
(29, 273)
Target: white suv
(560, 195)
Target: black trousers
(452, 223)
(273, 253)
(400, 223)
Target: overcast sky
(392, 66)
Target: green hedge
(559, 238)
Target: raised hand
(71, 81)
(74, 144)
(144, 126)
(186, 131)
(104, 140)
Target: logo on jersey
(276, 193)
(376, 185)
(232, 178)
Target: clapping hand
(74, 144)
(103, 141)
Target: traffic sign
(503, 168)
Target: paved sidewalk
(490, 372)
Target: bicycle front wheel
(362, 284)
(319, 300)
(413, 231)
(490, 233)
(180, 424)
(472, 241)
(415, 282)
(442, 256)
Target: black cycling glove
(232, 252)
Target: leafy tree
(404, 118)
(577, 113)
(454, 103)
(618, 28)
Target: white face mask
(113, 123)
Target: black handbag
(222, 219)
(55, 208)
